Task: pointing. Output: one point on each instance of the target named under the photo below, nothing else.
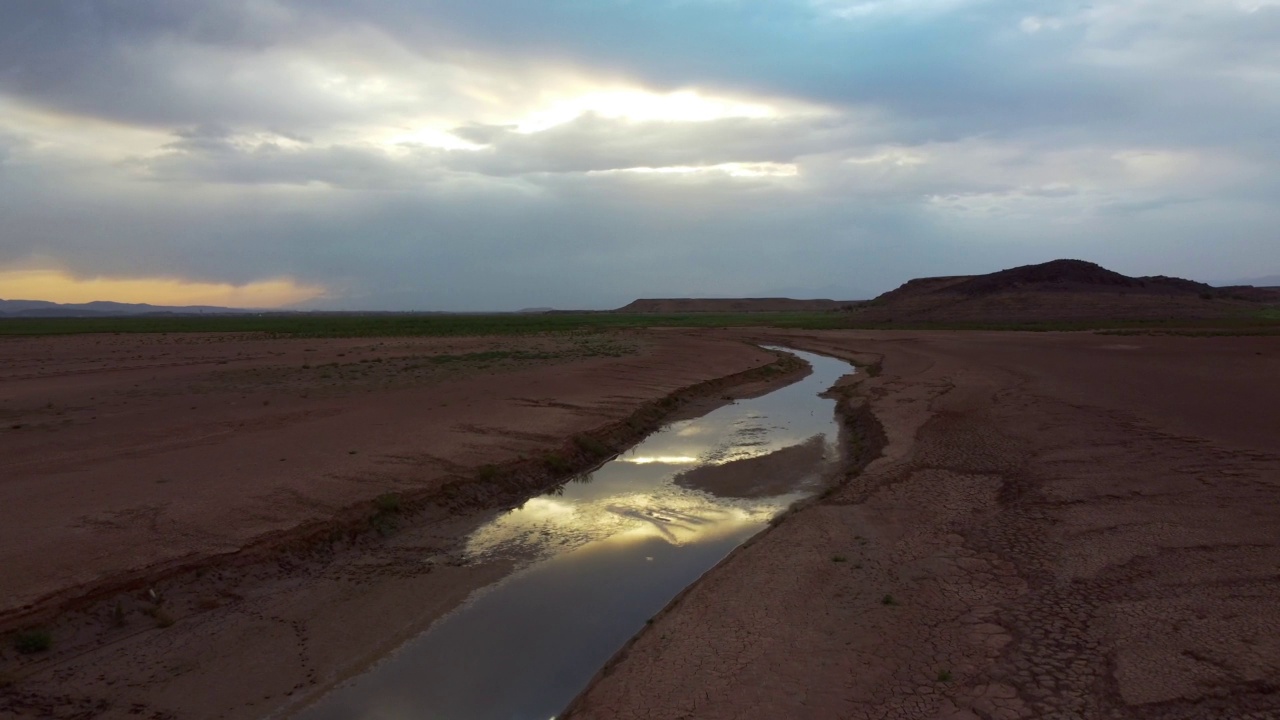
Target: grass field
(392, 325)
(1266, 322)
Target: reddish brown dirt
(124, 453)
(125, 458)
(1060, 526)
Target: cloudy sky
(498, 154)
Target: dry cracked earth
(1060, 526)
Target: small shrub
(591, 446)
(839, 559)
(383, 523)
(488, 473)
(944, 676)
(32, 641)
(163, 618)
(387, 503)
(888, 600)
(118, 614)
(556, 462)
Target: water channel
(606, 552)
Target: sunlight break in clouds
(642, 106)
(62, 287)
(737, 170)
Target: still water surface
(609, 551)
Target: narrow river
(605, 553)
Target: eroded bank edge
(471, 491)
(862, 440)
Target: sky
(503, 154)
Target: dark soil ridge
(489, 488)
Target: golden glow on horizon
(62, 287)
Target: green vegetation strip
(375, 325)
(1264, 322)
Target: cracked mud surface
(1060, 526)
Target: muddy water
(604, 554)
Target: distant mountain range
(102, 308)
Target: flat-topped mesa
(733, 305)
(1056, 276)
(1056, 291)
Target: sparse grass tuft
(388, 503)
(591, 446)
(556, 463)
(944, 676)
(839, 559)
(32, 641)
(489, 473)
(387, 506)
(888, 600)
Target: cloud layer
(396, 154)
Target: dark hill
(1056, 291)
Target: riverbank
(213, 526)
(1060, 525)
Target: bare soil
(224, 526)
(1057, 526)
(1052, 525)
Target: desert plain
(1049, 524)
